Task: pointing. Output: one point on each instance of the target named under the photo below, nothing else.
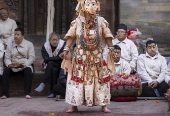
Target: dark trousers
(26, 72)
(60, 87)
(149, 92)
(51, 73)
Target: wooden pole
(50, 18)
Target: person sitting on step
(151, 68)
(51, 51)
(19, 57)
(7, 27)
(60, 88)
(1, 59)
(129, 51)
(121, 65)
(167, 76)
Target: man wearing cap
(128, 48)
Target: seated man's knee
(54, 70)
(27, 69)
(50, 63)
(164, 85)
(62, 78)
(6, 70)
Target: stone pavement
(42, 106)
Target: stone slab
(41, 106)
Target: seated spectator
(60, 87)
(151, 68)
(129, 51)
(7, 27)
(51, 54)
(121, 65)
(1, 59)
(19, 57)
(167, 76)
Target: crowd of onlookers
(151, 66)
(17, 56)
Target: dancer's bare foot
(73, 109)
(105, 109)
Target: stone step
(151, 98)
(164, 49)
(16, 87)
(165, 53)
(163, 45)
(37, 40)
(162, 41)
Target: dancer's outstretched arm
(69, 42)
(109, 41)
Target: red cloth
(119, 80)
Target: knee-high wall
(152, 17)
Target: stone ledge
(16, 87)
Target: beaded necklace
(90, 43)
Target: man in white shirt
(1, 59)
(7, 27)
(151, 68)
(128, 48)
(19, 57)
(167, 76)
(121, 65)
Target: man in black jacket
(52, 61)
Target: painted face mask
(91, 6)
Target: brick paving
(42, 106)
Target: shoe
(3, 97)
(28, 97)
(61, 97)
(57, 98)
(51, 96)
(40, 87)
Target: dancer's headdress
(79, 8)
